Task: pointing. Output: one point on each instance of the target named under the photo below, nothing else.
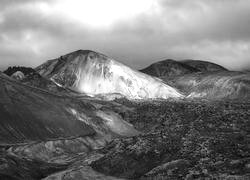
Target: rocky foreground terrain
(182, 140)
(50, 130)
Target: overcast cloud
(135, 32)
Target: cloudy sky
(135, 32)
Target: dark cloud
(216, 30)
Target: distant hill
(204, 65)
(168, 67)
(201, 79)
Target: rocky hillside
(182, 140)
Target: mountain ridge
(204, 65)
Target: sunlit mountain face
(92, 73)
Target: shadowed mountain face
(42, 132)
(29, 113)
(204, 65)
(95, 74)
(168, 68)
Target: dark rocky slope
(31, 114)
(30, 77)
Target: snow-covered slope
(85, 71)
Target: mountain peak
(93, 73)
(84, 54)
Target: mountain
(168, 68)
(204, 65)
(202, 79)
(92, 73)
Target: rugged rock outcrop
(18, 75)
